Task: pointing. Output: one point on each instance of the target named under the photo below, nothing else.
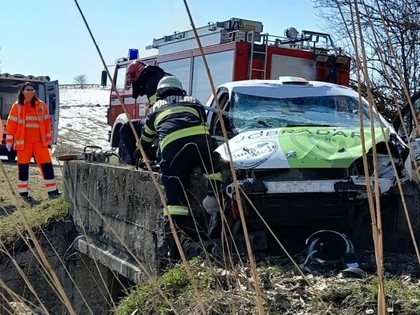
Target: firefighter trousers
(183, 227)
(43, 159)
(177, 163)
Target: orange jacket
(18, 121)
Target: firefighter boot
(28, 199)
(54, 194)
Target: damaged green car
(297, 147)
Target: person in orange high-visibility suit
(28, 130)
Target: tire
(399, 237)
(396, 233)
(361, 231)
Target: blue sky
(49, 37)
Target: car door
(52, 99)
(213, 120)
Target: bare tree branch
(392, 35)
(81, 79)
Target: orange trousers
(43, 159)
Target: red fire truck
(236, 49)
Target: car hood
(299, 147)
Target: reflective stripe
(214, 176)
(31, 118)
(176, 109)
(50, 185)
(186, 132)
(175, 210)
(19, 142)
(49, 181)
(22, 186)
(14, 118)
(149, 131)
(32, 126)
(46, 117)
(9, 137)
(152, 99)
(147, 139)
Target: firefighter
(179, 124)
(128, 141)
(144, 80)
(28, 129)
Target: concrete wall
(118, 214)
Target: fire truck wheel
(125, 158)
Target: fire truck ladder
(259, 46)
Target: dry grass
(37, 215)
(36, 184)
(285, 292)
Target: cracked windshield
(253, 112)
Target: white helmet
(169, 82)
(328, 247)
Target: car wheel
(396, 233)
(400, 236)
(361, 231)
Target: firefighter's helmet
(134, 70)
(169, 82)
(328, 247)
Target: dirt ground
(319, 290)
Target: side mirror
(103, 78)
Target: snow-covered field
(83, 119)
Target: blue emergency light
(133, 54)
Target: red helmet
(134, 70)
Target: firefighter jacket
(172, 119)
(147, 82)
(30, 124)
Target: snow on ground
(83, 119)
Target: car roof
(288, 89)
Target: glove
(142, 163)
(9, 146)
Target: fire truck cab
(236, 49)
